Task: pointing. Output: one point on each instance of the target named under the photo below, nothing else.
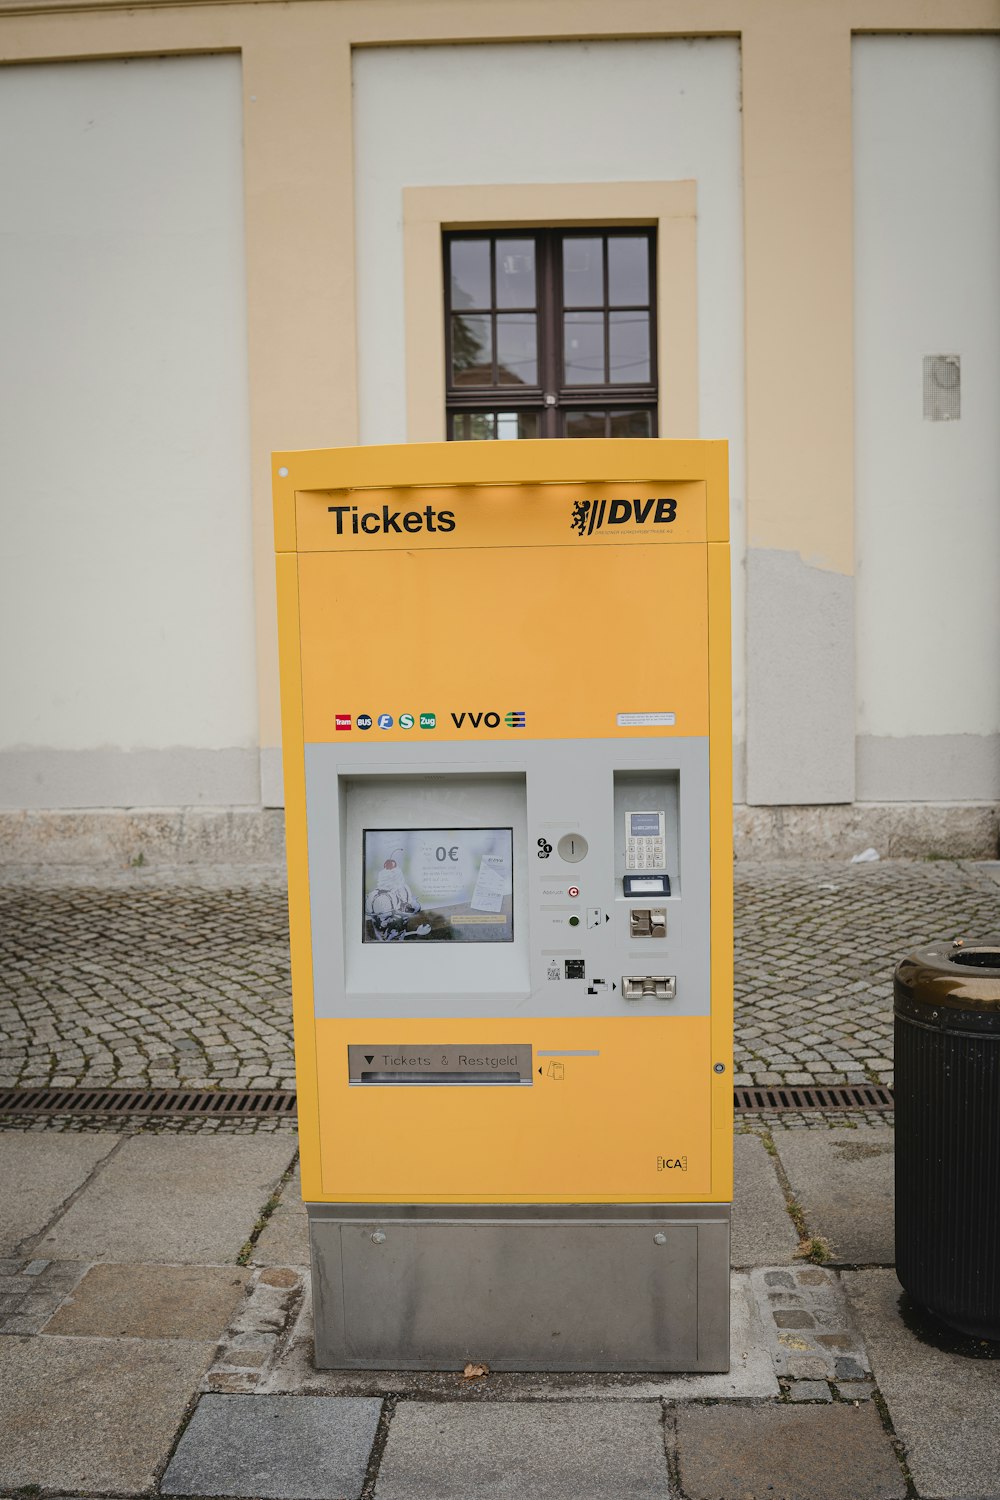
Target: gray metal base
(607, 1287)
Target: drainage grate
(240, 1103)
(230, 1103)
(838, 1096)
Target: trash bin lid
(957, 977)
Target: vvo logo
(589, 516)
(490, 720)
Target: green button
(574, 921)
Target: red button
(574, 890)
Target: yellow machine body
(457, 616)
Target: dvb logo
(589, 516)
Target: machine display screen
(644, 825)
(438, 885)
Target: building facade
(229, 228)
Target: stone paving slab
(751, 1373)
(763, 1233)
(807, 1324)
(548, 1451)
(249, 1346)
(274, 1448)
(833, 1452)
(285, 1238)
(38, 1174)
(32, 1290)
(854, 1390)
(92, 1414)
(152, 1302)
(943, 1405)
(844, 1181)
(185, 1200)
(810, 1390)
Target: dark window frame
(551, 399)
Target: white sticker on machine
(641, 721)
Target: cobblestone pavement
(181, 978)
(131, 983)
(816, 945)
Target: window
(551, 333)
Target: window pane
(515, 273)
(471, 350)
(631, 424)
(530, 306)
(583, 348)
(517, 361)
(482, 426)
(629, 334)
(584, 424)
(470, 274)
(583, 272)
(472, 426)
(628, 271)
(517, 424)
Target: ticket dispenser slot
(403, 1064)
(649, 986)
(510, 901)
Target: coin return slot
(450, 1079)
(647, 922)
(649, 986)
(448, 1064)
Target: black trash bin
(947, 1009)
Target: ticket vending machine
(507, 758)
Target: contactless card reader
(646, 885)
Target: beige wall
(927, 132)
(299, 197)
(126, 601)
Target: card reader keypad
(645, 853)
(645, 839)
